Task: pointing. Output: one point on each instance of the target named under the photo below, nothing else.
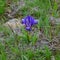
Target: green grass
(2, 6)
(16, 47)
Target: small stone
(14, 24)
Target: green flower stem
(28, 36)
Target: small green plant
(28, 22)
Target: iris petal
(35, 21)
(28, 28)
(23, 21)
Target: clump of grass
(3, 55)
(57, 57)
(2, 6)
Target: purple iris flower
(29, 21)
